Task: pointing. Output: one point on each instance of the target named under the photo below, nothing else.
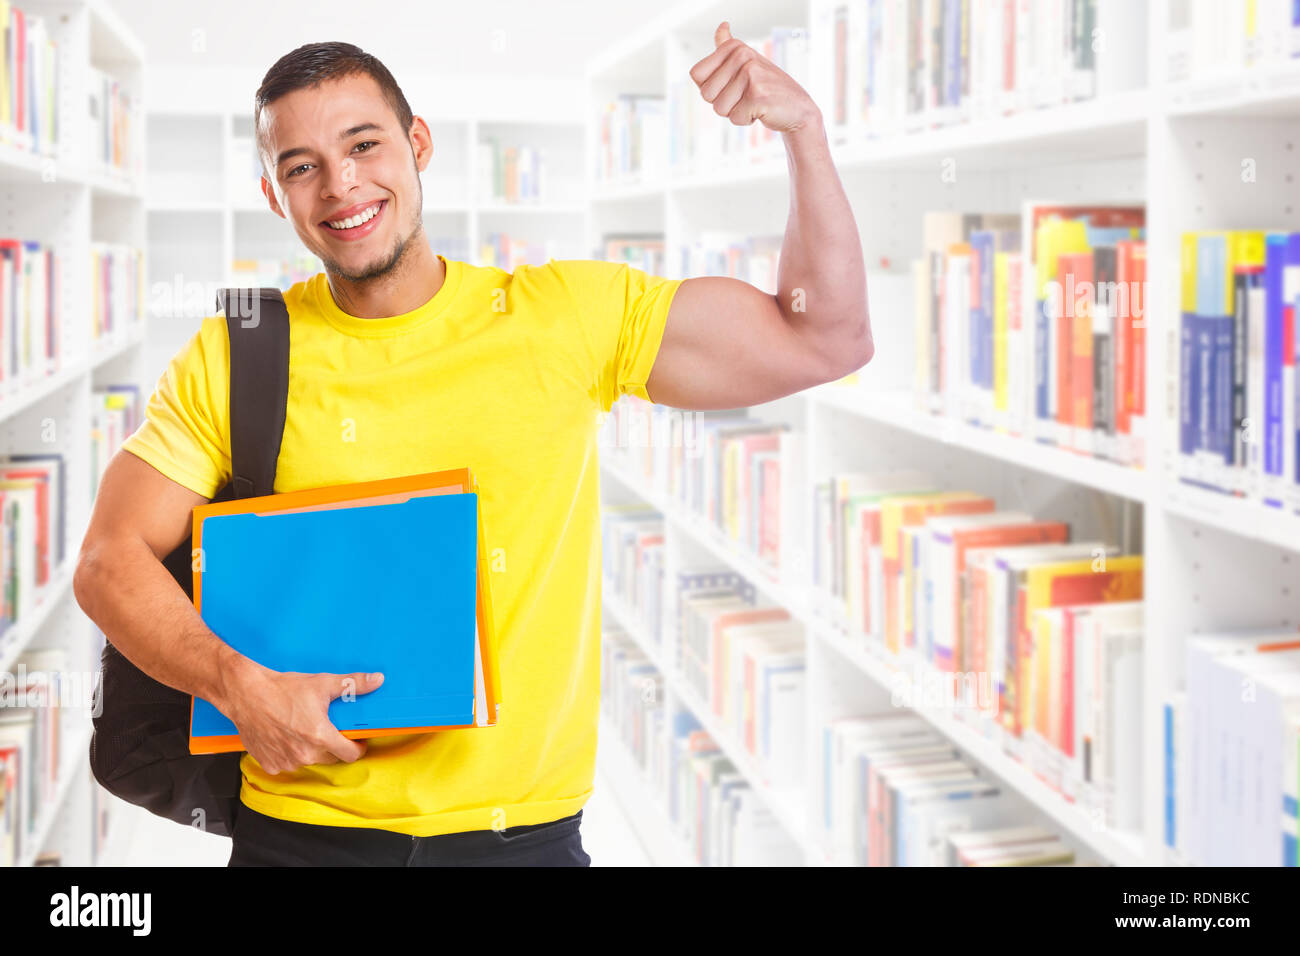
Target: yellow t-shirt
(507, 374)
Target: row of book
(117, 124)
(892, 66)
(31, 341)
(745, 662)
(1207, 37)
(1232, 751)
(509, 173)
(115, 413)
(742, 660)
(631, 140)
(699, 139)
(720, 818)
(897, 793)
(33, 532)
(117, 288)
(754, 259)
(1031, 638)
(644, 251)
(504, 251)
(30, 757)
(737, 473)
(1238, 427)
(1035, 325)
(30, 76)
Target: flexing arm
(139, 517)
(728, 344)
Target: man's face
(345, 175)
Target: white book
(1205, 751)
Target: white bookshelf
(1212, 562)
(69, 202)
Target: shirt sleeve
(185, 433)
(622, 312)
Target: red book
(1070, 273)
(1081, 266)
(1138, 326)
(20, 74)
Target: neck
(413, 281)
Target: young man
(403, 362)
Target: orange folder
(487, 699)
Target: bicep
(135, 499)
(727, 344)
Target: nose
(338, 180)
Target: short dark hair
(311, 65)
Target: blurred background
(990, 601)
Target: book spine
(1273, 334)
(1242, 284)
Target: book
(253, 586)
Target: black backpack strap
(258, 325)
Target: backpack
(139, 749)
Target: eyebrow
(347, 133)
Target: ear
(421, 142)
(269, 192)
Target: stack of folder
(386, 576)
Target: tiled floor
(153, 841)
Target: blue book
(1171, 798)
(344, 589)
(1213, 409)
(1291, 290)
(1275, 253)
(983, 245)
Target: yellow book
(905, 511)
(1091, 581)
(1056, 238)
(1187, 273)
(730, 506)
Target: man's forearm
(822, 280)
(141, 609)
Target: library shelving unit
(69, 200)
(207, 214)
(1211, 562)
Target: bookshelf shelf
(661, 843)
(1092, 130)
(628, 191)
(898, 411)
(1243, 517)
(1119, 847)
(789, 806)
(78, 204)
(24, 398)
(16, 639)
(1259, 92)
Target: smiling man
(402, 362)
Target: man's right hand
(283, 716)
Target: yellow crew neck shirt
(508, 374)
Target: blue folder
(388, 587)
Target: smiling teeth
(354, 221)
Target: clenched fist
(743, 85)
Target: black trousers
(259, 840)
